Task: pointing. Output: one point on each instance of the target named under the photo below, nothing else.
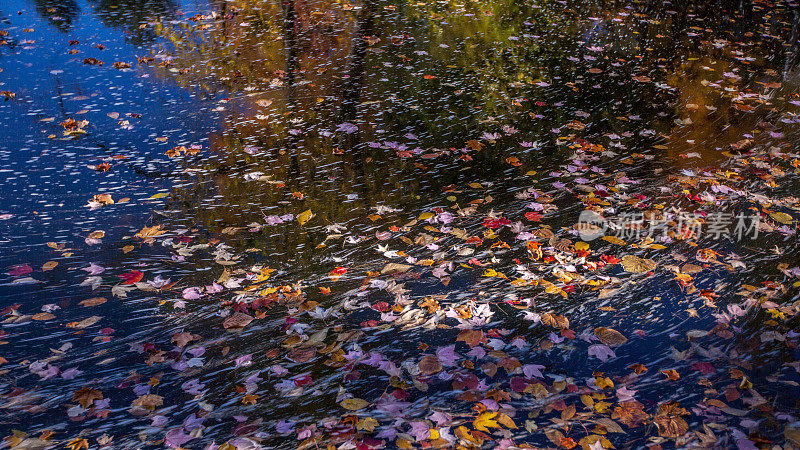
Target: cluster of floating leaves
(473, 323)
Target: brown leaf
(555, 321)
(86, 396)
(181, 339)
(150, 232)
(89, 321)
(430, 365)
(103, 199)
(94, 301)
(672, 374)
(149, 401)
(568, 413)
(471, 337)
(43, 316)
(630, 413)
(489, 368)
(669, 421)
(237, 320)
(610, 336)
(302, 354)
(671, 426)
(609, 425)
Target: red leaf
(20, 270)
(533, 216)
(134, 276)
(705, 368)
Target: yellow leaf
(486, 420)
(581, 246)
(271, 290)
(367, 424)
(157, 196)
(781, 217)
(490, 273)
(354, 404)
(506, 421)
(601, 407)
(614, 240)
(635, 264)
(474, 145)
(463, 432)
(97, 234)
(49, 265)
(78, 444)
(150, 232)
(304, 216)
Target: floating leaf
(98, 234)
(302, 354)
(237, 320)
(86, 396)
(354, 404)
(610, 336)
(634, 264)
(85, 323)
(614, 240)
(150, 232)
(304, 216)
(149, 401)
(43, 316)
(781, 217)
(485, 420)
(430, 365)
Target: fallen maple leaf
(86, 396)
